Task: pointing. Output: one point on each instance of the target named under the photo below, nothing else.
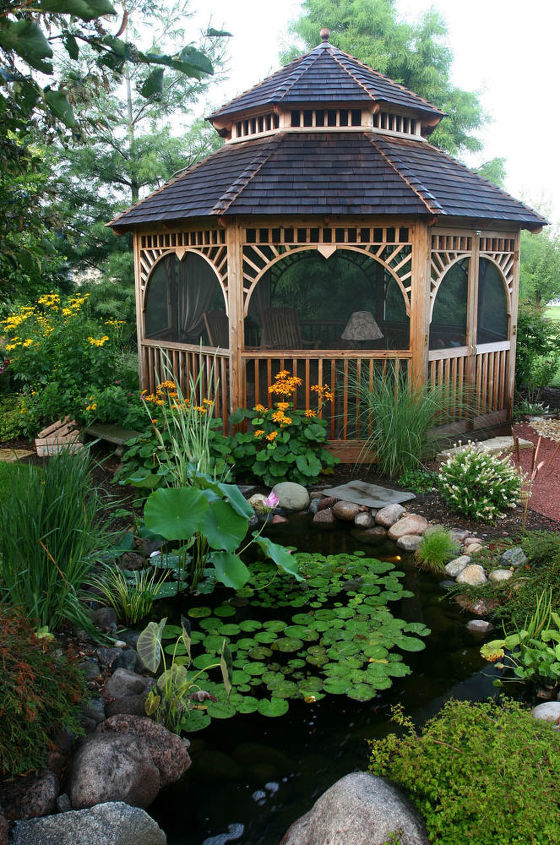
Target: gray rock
(372, 536)
(549, 711)
(30, 796)
(470, 540)
(129, 636)
(106, 656)
(4, 830)
(105, 618)
(459, 534)
(87, 723)
(389, 515)
(346, 511)
(514, 557)
(364, 519)
(370, 495)
(109, 767)
(456, 566)
(113, 823)
(479, 626)
(90, 668)
(410, 542)
(326, 502)
(359, 809)
(123, 682)
(63, 803)
(500, 575)
(324, 517)
(291, 496)
(132, 561)
(95, 709)
(168, 751)
(473, 575)
(473, 548)
(127, 659)
(133, 705)
(411, 524)
(313, 506)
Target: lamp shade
(361, 326)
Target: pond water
(260, 774)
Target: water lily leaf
(287, 644)
(244, 703)
(336, 686)
(410, 643)
(239, 677)
(255, 669)
(250, 625)
(274, 707)
(221, 709)
(274, 625)
(204, 661)
(195, 720)
(308, 635)
(211, 624)
(229, 630)
(171, 632)
(362, 692)
(199, 612)
(265, 637)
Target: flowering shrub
(479, 485)
(60, 357)
(283, 442)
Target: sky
(506, 50)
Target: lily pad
(287, 644)
(274, 707)
(195, 720)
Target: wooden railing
(492, 368)
(189, 363)
(340, 369)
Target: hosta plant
(479, 485)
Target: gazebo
(329, 238)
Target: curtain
(196, 290)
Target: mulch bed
(545, 490)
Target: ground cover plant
(479, 485)
(283, 443)
(478, 772)
(52, 532)
(331, 633)
(41, 691)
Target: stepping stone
(10, 456)
(371, 495)
(494, 446)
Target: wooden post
(139, 309)
(510, 376)
(420, 303)
(472, 325)
(235, 310)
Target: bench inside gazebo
(329, 238)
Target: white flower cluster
(479, 485)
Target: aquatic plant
(131, 594)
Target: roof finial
(325, 34)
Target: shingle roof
(327, 75)
(328, 173)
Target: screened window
(449, 318)
(493, 320)
(184, 302)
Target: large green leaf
(223, 527)
(236, 499)
(280, 556)
(230, 569)
(149, 644)
(86, 10)
(176, 513)
(26, 39)
(153, 85)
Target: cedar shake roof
(327, 75)
(328, 173)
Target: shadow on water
(263, 773)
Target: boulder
(114, 823)
(127, 659)
(324, 517)
(359, 809)
(168, 751)
(479, 607)
(459, 534)
(346, 511)
(473, 548)
(388, 515)
(455, 567)
(471, 540)
(131, 560)
(124, 682)
(364, 519)
(4, 830)
(479, 626)
(30, 796)
(291, 496)
(473, 575)
(109, 767)
(372, 536)
(549, 711)
(105, 618)
(133, 705)
(258, 501)
(410, 524)
(513, 557)
(410, 542)
(500, 575)
(325, 502)
(95, 709)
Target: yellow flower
(91, 407)
(98, 341)
(28, 342)
(282, 406)
(66, 312)
(272, 436)
(49, 300)
(259, 432)
(208, 402)
(323, 392)
(260, 409)
(286, 421)
(10, 346)
(199, 408)
(310, 413)
(278, 416)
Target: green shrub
(400, 417)
(40, 693)
(538, 350)
(479, 485)
(478, 773)
(437, 548)
(51, 535)
(283, 443)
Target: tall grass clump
(50, 537)
(436, 549)
(398, 416)
(132, 595)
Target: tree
(540, 267)
(414, 55)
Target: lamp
(361, 326)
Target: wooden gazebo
(328, 237)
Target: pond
(261, 774)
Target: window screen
(449, 318)
(493, 321)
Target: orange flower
(310, 413)
(272, 436)
(260, 409)
(282, 406)
(259, 432)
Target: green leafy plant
(418, 480)
(177, 693)
(532, 652)
(131, 594)
(283, 442)
(538, 351)
(210, 519)
(41, 691)
(479, 772)
(436, 549)
(52, 532)
(479, 485)
(399, 417)
(525, 408)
